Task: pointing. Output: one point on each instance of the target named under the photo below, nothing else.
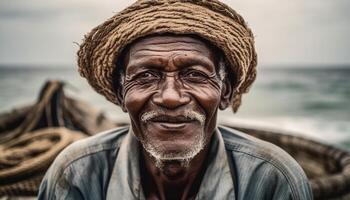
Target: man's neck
(174, 181)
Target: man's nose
(170, 95)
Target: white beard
(158, 151)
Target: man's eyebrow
(195, 60)
(148, 62)
(181, 61)
(165, 50)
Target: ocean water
(313, 102)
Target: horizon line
(262, 66)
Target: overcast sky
(288, 32)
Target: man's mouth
(171, 119)
(171, 122)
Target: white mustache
(190, 114)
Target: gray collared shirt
(106, 166)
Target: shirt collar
(126, 180)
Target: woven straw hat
(208, 19)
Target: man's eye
(147, 76)
(195, 76)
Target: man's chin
(170, 154)
(173, 143)
(173, 169)
(172, 165)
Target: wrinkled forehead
(170, 43)
(163, 44)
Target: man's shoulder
(85, 162)
(101, 142)
(237, 141)
(254, 158)
(241, 143)
(89, 150)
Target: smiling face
(172, 92)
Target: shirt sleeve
(59, 181)
(288, 190)
(57, 186)
(270, 180)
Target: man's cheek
(135, 100)
(208, 98)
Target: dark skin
(173, 73)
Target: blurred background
(303, 83)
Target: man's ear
(118, 90)
(120, 98)
(226, 94)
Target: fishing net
(23, 161)
(31, 137)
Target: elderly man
(171, 64)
